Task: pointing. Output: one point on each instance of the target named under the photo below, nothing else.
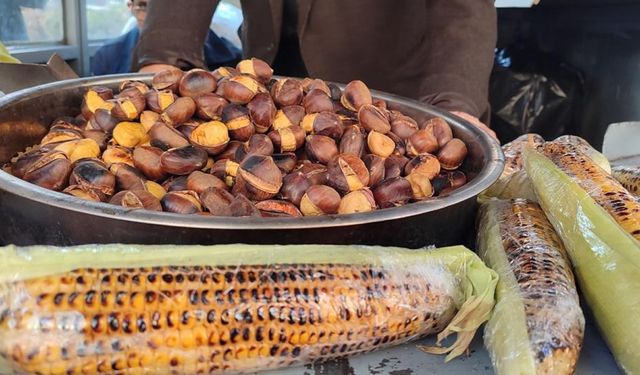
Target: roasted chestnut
(355, 95)
(147, 160)
(129, 107)
(357, 201)
(347, 172)
(440, 129)
(457, 179)
(138, 85)
(159, 100)
(259, 144)
(179, 111)
(320, 148)
(128, 177)
(288, 116)
(287, 139)
(294, 185)
(287, 92)
(394, 166)
(93, 175)
(165, 137)
(59, 135)
(94, 99)
(317, 101)
(211, 136)
(230, 151)
(310, 84)
(224, 72)
(225, 170)
(129, 134)
(320, 200)
(78, 192)
(117, 155)
(380, 144)
(183, 160)
(49, 170)
(103, 120)
(323, 123)
(426, 164)
(376, 166)
(286, 161)
(316, 173)
(148, 119)
(256, 68)
(277, 208)
(241, 89)
(373, 118)
(175, 183)
(352, 141)
(262, 111)
(258, 178)
(404, 126)
(217, 201)
(199, 182)
(393, 192)
(421, 142)
(420, 186)
(209, 106)
(335, 92)
(196, 82)
(452, 154)
(136, 199)
(167, 79)
(181, 202)
(238, 122)
(155, 188)
(242, 206)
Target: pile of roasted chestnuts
(237, 142)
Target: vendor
(115, 55)
(437, 51)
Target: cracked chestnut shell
(238, 122)
(320, 148)
(286, 161)
(347, 172)
(209, 106)
(287, 139)
(310, 84)
(196, 82)
(241, 89)
(259, 144)
(225, 170)
(159, 100)
(452, 154)
(426, 164)
(165, 137)
(49, 170)
(242, 206)
(103, 120)
(440, 129)
(175, 183)
(323, 123)
(355, 95)
(181, 202)
(128, 105)
(394, 166)
(357, 201)
(320, 200)
(420, 186)
(376, 166)
(116, 155)
(230, 151)
(136, 199)
(404, 126)
(277, 208)
(380, 144)
(393, 192)
(128, 177)
(287, 92)
(373, 118)
(224, 72)
(93, 175)
(183, 160)
(258, 178)
(421, 142)
(179, 111)
(256, 68)
(288, 116)
(211, 136)
(217, 201)
(316, 173)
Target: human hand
(156, 68)
(476, 122)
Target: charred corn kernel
(602, 187)
(537, 325)
(629, 177)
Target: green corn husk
(606, 259)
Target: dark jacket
(115, 56)
(438, 51)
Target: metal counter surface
(595, 359)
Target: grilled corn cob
(513, 152)
(604, 256)
(629, 177)
(227, 309)
(603, 188)
(587, 149)
(537, 325)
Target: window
(31, 21)
(108, 19)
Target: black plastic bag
(533, 92)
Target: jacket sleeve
(462, 37)
(174, 33)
